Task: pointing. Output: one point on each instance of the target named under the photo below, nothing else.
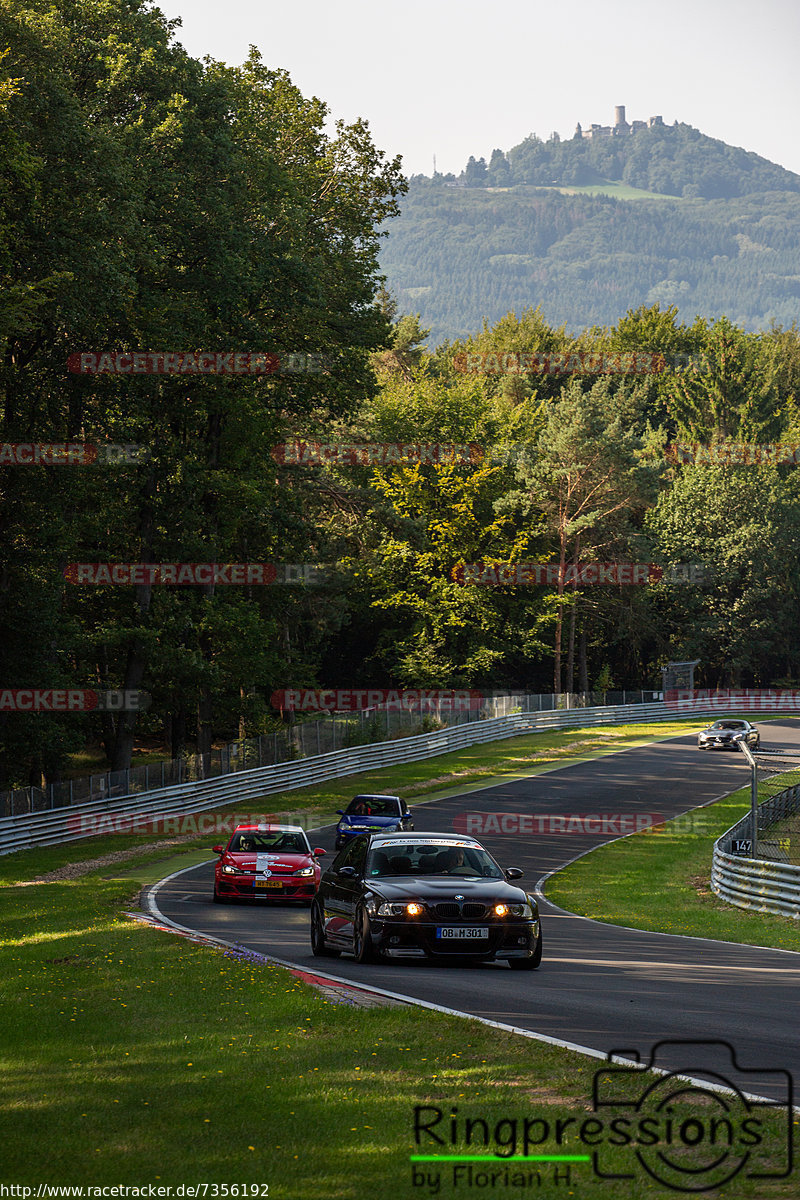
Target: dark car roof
(434, 839)
(374, 796)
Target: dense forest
(459, 256)
(714, 230)
(153, 203)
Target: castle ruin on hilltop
(620, 126)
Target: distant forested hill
(673, 159)
(462, 254)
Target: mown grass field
(621, 191)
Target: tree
(743, 524)
(411, 622)
(406, 341)
(172, 204)
(591, 480)
(475, 172)
(733, 392)
(499, 171)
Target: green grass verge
(660, 879)
(132, 1056)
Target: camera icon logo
(696, 1127)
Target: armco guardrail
(757, 883)
(309, 735)
(69, 823)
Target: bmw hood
(357, 822)
(437, 890)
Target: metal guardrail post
(743, 746)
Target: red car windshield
(277, 843)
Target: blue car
(372, 814)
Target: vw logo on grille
(458, 897)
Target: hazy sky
(454, 79)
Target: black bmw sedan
(433, 896)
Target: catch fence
(304, 738)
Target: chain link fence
(300, 738)
(778, 775)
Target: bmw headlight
(514, 910)
(392, 909)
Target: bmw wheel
(362, 941)
(318, 946)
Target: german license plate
(459, 933)
(270, 883)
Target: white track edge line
(538, 889)
(588, 1051)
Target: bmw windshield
(423, 858)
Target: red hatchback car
(266, 862)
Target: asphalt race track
(599, 986)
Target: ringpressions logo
(688, 1129)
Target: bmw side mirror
(340, 811)
(514, 873)
(217, 849)
(348, 872)
(318, 852)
